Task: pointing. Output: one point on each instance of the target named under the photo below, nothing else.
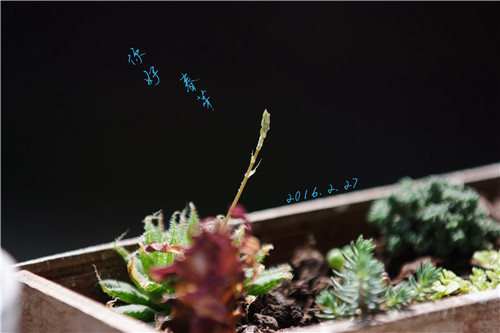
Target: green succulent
(332, 307)
(485, 278)
(427, 274)
(204, 245)
(433, 217)
(363, 288)
(488, 259)
(145, 296)
(399, 296)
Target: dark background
(375, 91)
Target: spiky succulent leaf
(169, 237)
(269, 279)
(239, 235)
(362, 246)
(331, 306)
(427, 273)
(364, 286)
(193, 224)
(399, 296)
(141, 312)
(152, 232)
(124, 292)
(147, 259)
(143, 281)
(123, 252)
(263, 252)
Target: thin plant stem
(265, 125)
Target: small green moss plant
(433, 217)
(195, 276)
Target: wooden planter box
(59, 296)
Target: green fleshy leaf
(143, 282)
(239, 235)
(182, 230)
(193, 226)
(438, 291)
(427, 273)
(331, 306)
(326, 316)
(399, 296)
(269, 279)
(489, 259)
(147, 260)
(153, 233)
(452, 287)
(479, 279)
(449, 283)
(124, 292)
(494, 277)
(122, 252)
(166, 259)
(137, 311)
(263, 252)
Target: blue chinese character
(205, 100)
(135, 54)
(154, 73)
(188, 83)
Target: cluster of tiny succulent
(484, 278)
(364, 286)
(433, 217)
(195, 276)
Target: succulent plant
(484, 278)
(332, 307)
(364, 287)
(433, 217)
(195, 275)
(362, 284)
(488, 259)
(426, 273)
(399, 296)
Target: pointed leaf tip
(265, 124)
